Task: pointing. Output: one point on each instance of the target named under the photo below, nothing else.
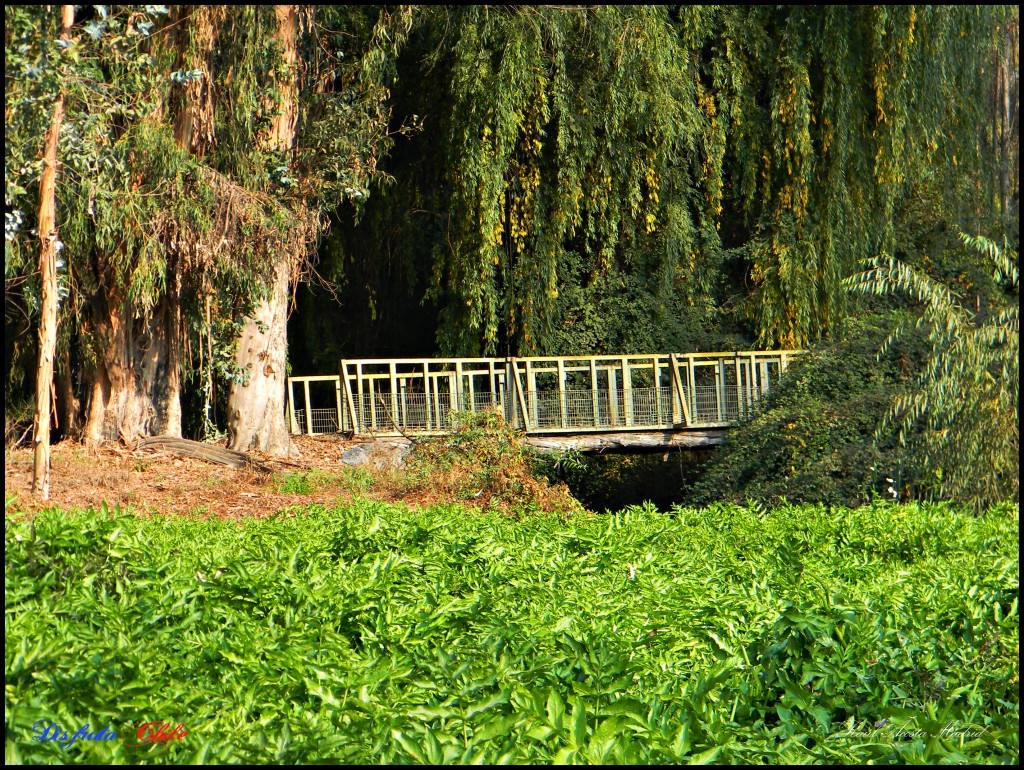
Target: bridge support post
(739, 387)
(720, 390)
(694, 412)
(563, 407)
(751, 390)
(492, 384)
(680, 407)
(309, 412)
(453, 395)
(353, 416)
(426, 392)
(657, 390)
(522, 397)
(337, 398)
(613, 396)
(627, 392)
(291, 408)
(395, 417)
(435, 391)
(359, 392)
(531, 393)
(403, 389)
(507, 404)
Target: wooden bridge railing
(563, 394)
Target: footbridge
(590, 403)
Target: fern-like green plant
(961, 424)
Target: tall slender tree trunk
(256, 410)
(1007, 122)
(48, 278)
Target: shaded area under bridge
(590, 403)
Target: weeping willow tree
(961, 425)
(835, 115)
(574, 157)
(569, 130)
(555, 143)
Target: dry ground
(151, 481)
(157, 482)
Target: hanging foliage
(579, 129)
(835, 115)
(562, 146)
(967, 400)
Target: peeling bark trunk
(256, 413)
(136, 389)
(47, 226)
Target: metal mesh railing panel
(324, 421)
(713, 391)
(409, 411)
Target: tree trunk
(68, 405)
(136, 383)
(48, 278)
(256, 413)
(136, 388)
(1008, 128)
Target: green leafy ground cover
(376, 633)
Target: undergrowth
(375, 633)
(482, 463)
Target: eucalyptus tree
(184, 188)
(64, 72)
(117, 180)
(326, 131)
(48, 236)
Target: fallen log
(213, 454)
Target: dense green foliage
(528, 179)
(379, 634)
(966, 403)
(813, 437)
(647, 178)
(173, 201)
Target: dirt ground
(157, 482)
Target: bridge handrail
(625, 392)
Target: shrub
(486, 463)
(375, 633)
(813, 437)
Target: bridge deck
(659, 394)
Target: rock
(357, 455)
(383, 453)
